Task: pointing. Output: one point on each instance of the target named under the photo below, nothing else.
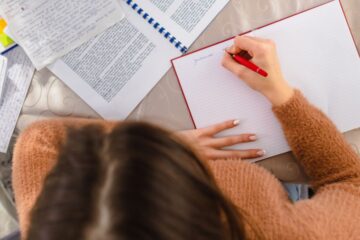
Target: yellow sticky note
(5, 40)
(2, 24)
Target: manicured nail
(228, 50)
(253, 138)
(261, 153)
(236, 122)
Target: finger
(235, 154)
(247, 43)
(263, 40)
(212, 130)
(244, 43)
(230, 141)
(233, 49)
(229, 63)
(252, 153)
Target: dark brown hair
(135, 182)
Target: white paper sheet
(19, 74)
(3, 69)
(317, 55)
(48, 29)
(114, 71)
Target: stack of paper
(116, 70)
(48, 29)
(3, 70)
(17, 81)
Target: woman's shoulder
(42, 140)
(56, 128)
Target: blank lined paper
(318, 56)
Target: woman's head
(135, 182)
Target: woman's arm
(314, 139)
(317, 144)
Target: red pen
(249, 65)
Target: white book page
(318, 56)
(114, 71)
(3, 70)
(48, 29)
(17, 82)
(185, 19)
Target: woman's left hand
(211, 148)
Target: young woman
(91, 179)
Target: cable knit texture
(331, 164)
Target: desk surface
(49, 97)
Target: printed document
(3, 70)
(49, 29)
(114, 71)
(18, 78)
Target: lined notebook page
(318, 56)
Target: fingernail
(236, 122)
(261, 153)
(228, 49)
(253, 138)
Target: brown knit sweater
(331, 164)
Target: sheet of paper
(186, 19)
(114, 71)
(48, 29)
(318, 56)
(3, 69)
(19, 74)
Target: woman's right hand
(263, 52)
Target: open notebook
(318, 56)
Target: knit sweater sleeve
(320, 148)
(35, 153)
